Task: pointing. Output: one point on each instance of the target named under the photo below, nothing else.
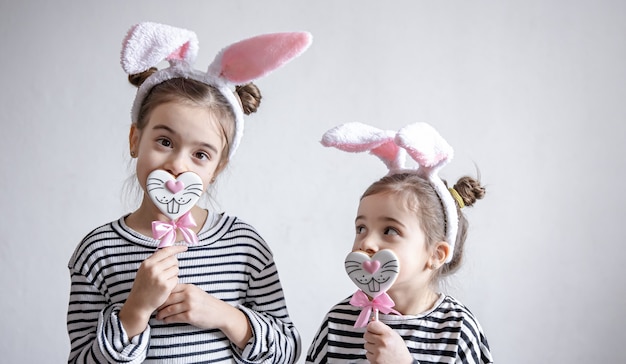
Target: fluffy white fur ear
(253, 58)
(431, 152)
(147, 44)
(425, 145)
(358, 137)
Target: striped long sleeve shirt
(231, 262)
(448, 333)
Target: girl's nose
(367, 245)
(175, 164)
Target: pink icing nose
(175, 186)
(371, 266)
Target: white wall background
(533, 92)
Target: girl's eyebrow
(209, 146)
(172, 131)
(385, 219)
(166, 128)
(391, 219)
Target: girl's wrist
(236, 326)
(133, 320)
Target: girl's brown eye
(164, 142)
(203, 156)
(391, 231)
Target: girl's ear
(441, 251)
(133, 140)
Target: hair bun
(139, 78)
(470, 190)
(250, 97)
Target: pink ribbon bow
(382, 303)
(166, 231)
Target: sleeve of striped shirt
(96, 333)
(473, 347)
(274, 337)
(319, 347)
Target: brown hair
(421, 197)
(197, 93)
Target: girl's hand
(191, 305)
(155, 279)
(385, 346)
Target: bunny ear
(358, 137)
(424, 144)
(390, 154)
(255, 57)
(147, 44)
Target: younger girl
(219, 300)
(415, 215)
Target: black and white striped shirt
(448, 333)
(231, 262)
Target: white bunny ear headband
(147, 44)
(420, 141)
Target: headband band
(147, 44)
(420, 141)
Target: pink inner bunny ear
(180, 54)
(255, 57)
(387, 151)
(424, 144)
(147, 44)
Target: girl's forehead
(401, 199)
(387, 203)
(179, 113)
(182, 119)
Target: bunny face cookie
(374, 275)
(174, 196)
